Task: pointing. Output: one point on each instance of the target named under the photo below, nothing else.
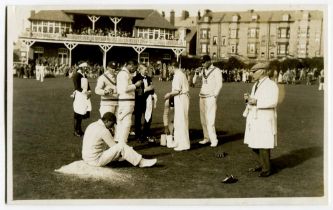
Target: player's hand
(252, 101)
(167, 96)
(138, 83)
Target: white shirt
(104, 84)
(212, 84)
(125, 87)
(94, 140)
(179, 82)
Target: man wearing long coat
(261, 122)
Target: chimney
(199, 15)
(185, 14)
(172, 17)
(163, 14)
(32, 13)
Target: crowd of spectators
(53, 68)
(108, 32)
(101, 32)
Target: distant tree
(220, 64)
(234, 63)
(274, 65)
(190, 63)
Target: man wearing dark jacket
(142, 94)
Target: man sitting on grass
(97, 135)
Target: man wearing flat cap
(106, 87)
(210, 89)
(260, 113)
(81, 103)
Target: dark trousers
(263, 156)
(141, 132)
(78, 121)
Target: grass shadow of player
(295, 157)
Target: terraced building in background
(261, 35)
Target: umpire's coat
(261, 125)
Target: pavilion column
(93, 19)
(105, 48)
(139, 50)
(115, 21)
(178, 52)
(70, 46)
(28, 44)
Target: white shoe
(214, 144)
(205, 141)
(147, 162)
(132, 133)
(179, 149)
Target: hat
(205, 58)
(84, 64)
(112, 65)
(263, 66)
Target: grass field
(43, 141)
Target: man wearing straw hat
(261, 124)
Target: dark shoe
(221, 155)
(255, 169)
(151, 140)
(229, 179)
(265, 174)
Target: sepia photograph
(167, 103)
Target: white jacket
(261, 121)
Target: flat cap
(258, 66)
(84, 64)
(205, 58)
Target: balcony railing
(105, 39)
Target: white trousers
(108, 108)
(115, 152)
(181, 132)
(37, 74)
(42, 75)
(207, 117)
(124, 122)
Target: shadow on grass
(295, 157)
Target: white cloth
(261, 122)
(83, 170)
(93, 147)
(181, 101)
(150, 104)
(81, 103)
